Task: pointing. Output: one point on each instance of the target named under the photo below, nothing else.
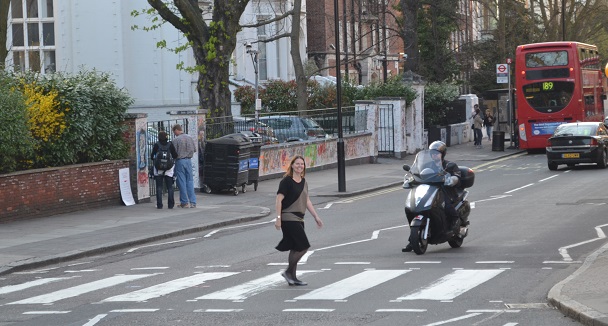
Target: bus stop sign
(502, 73)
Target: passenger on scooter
(438, 150)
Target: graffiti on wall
(141, 140)
(276, 159)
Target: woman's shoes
(299, 283)
(289, 280)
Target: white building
(72, 35)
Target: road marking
(81, 289)
(218, 310)
(46, 312)
(400, 310)
(148, 268)
(423, 262)
(95, 320)
(308, 310)
(237, 227)
(353, 263)
(563, 251)
(352, 285)
(522, 187)
(249, 289)
(168, 287)
(454, 319)
(545, 179)
(495, 262)
(27, 285)
(159, 244)
(134, 310)
(453, 285)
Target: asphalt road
(523, 214)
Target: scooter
(424, 204)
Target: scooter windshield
(425, 169)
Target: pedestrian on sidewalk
(477, 125)
(488, 122)
(185, 147)
(164, 147)
(291, 204)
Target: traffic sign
(502, 68)
(502, 73)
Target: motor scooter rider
(438, 151)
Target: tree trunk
(410, 34)
(301, 79)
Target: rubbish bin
(227, 163)
(254, 158)
(498, 141)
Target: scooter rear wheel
(418, 243)
(456, 242)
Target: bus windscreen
(548, 96)
(546, 59)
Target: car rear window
(278, 123)
(575, 130)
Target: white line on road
(159, 244)
(563, 251)
(453, 285)
(81, 289)
(352, 285)
(19, 287)
(545, 179)
(400, 310)
(95, 320)
(46, 312)
(134, 310)
(308, 310)
(237, 227)
(168, 287)
(454, 319)
(522, 187)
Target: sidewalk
(42, 241)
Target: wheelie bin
(227, 163)
(498, 141)
(254, 158)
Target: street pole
(341, 161)
(563, 20)
(258, 103)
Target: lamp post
(563, 20)
(258, 104)
(340, 145)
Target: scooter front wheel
(419, 244)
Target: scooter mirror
(406, 167)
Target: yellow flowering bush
(46, 120)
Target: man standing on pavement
(185, 147)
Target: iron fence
(152, 137)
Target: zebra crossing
(451, 285)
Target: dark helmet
(440, 147)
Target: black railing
(291, 126)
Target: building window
(33, 37)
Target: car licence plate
(570, 155)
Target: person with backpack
(163, 156)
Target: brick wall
(50, 191)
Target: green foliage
(394, 87)
(68, 118)
(246, 95)
(16, 143)
(279, 96)
(436, 97)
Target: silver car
(294, 128)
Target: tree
(212, 45)
(4, 6)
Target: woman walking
(291, 204)
(488, 122)
(477, 125)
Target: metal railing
(293, 125)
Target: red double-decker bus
(556, 82)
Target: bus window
(546, 59)
(548, 97)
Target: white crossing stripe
(26, 285)
(352, 285)
(248, 289)
(168, 287)
(453, 284)
(81, 289)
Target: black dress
(293, 208)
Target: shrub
(436, 97)
(246, 95)
(16, 144)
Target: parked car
(578, 142)
(294, 128)
(242, 124)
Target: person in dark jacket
(166, 176)
(438, 151)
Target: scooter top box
(467, 177)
